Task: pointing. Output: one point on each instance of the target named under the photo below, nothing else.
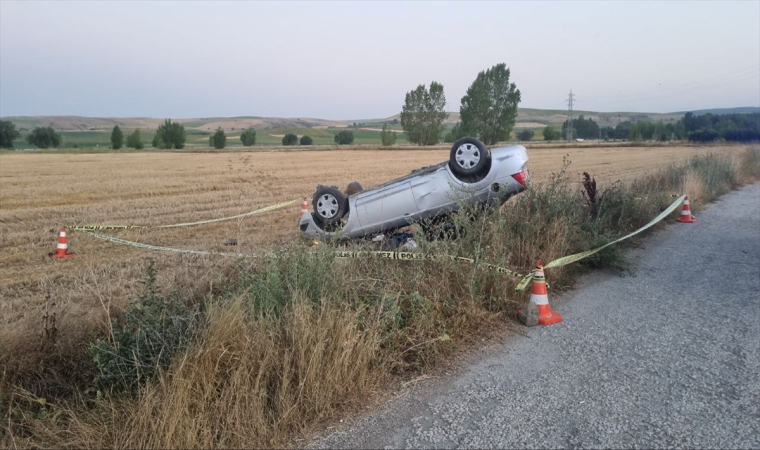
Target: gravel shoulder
(667, 357)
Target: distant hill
(526, 118)
(721, 111)
(80, 123)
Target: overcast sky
(339, 60)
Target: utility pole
(569, 129)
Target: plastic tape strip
(421, 256)
(578, 256)
(120, 241)
(177, 225)
(402, 256)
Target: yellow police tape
(177, 225)
(402, 256)
(120, 241)
(578, 256)
(407, 256)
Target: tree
(344, 137)
(489, 108)
(423, 114)
(455, 133)
(608, 133)
(306, 140)
(134, 140)
(387, 136)
(248, 137)
(525, 135)
(170, 135)
(550, 134)
(219, 138)
(44, 137)
(8, 133)
(290, 139)
(117, 138)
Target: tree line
(729, 127)
(696, 128)
(488, 111)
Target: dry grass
(290, 341)
(246, 384)
(39, 192)
(693, 186)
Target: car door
(434, 192)
(386, 207)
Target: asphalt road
(669, 357)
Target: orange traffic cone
(61, 250)
(686, 216)
(538, 311)
(304, 207)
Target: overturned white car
(473, 174)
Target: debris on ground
(403, 240)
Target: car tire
(330, 205)
(468, 156)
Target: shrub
(145, 339)
(248, 137)
(550, 134)
(344, 137)
(525, 135)
(134, 140)
(289, 139)
(306, 140)
(44, 137)
(219, 139)
(387, 136)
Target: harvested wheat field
(40, 192)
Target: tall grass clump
(297, 337)
(747, 165)
(150, 332)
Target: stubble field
(40, 192)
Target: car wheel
(330, 205)
(468, 156)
